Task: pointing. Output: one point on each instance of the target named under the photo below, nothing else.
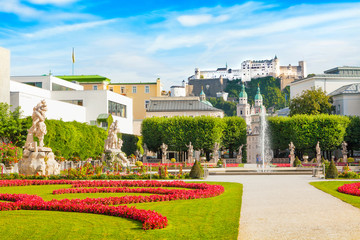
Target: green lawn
(331, 188)
(211, 218)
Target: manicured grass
(210, 218)
(330, 187)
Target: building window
(134, 89)
(147, 89)
(147, 102)
(76, 102)
(117, 109)
(95, 87)
(122, 90)
(35, 84)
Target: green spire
(242, 93)
(258, 94)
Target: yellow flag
(73, 56)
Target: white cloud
(54, 2)
(15, 7)
(49, 32)
(195, 20)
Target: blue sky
(132, 41)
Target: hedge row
(203, 132)
(74, 139)
(306, 130)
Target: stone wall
(209, 86)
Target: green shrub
(74, 139)
(332, 171)
(350, 160)
(297, 162)
(196, 170)
(349, 174)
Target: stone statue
(190, 152)
(216, 152)
(344, 151)
(164, 148)
(292, 153)
(38, 128)
(239, 155)
(146, 150)
(38, 160)
(318, 153)
(112, 140)
(112, 146)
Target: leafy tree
(269, 87)
(74, 139)
(306, 130)
(177, 132)
(353, 134)
(131, 143)
(234, 134)
(312, 102)
(151, 132)
(229, 108)
(12, 127)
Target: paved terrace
(288, 207)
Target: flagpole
(73, 61)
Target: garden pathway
(288, 207)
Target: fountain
(266, 152)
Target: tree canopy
(203, 132)
(12, 127)
(269, 87)
(306, 130)
(312, 102)
(229, 108)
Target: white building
(4, 75)
(178, 91)
(347, 100)
(69, 102)
(252, 118)
(256, 69)
(226, 72)
(330, 81)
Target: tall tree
(229, 108)
(234, 134)
(12, 127)
(311, 102)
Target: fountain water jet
(266, 152)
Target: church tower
(243, 107)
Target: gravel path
(288, 207)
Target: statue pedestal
(238, 158)
(40, 162)
(114, 155)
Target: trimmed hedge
(203, 132)
(74, 139)
(306, 130)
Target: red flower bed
(352, 189)
(282, 164)
(150, 219)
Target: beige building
(141, 94)
(182, 106)
(4, 75)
